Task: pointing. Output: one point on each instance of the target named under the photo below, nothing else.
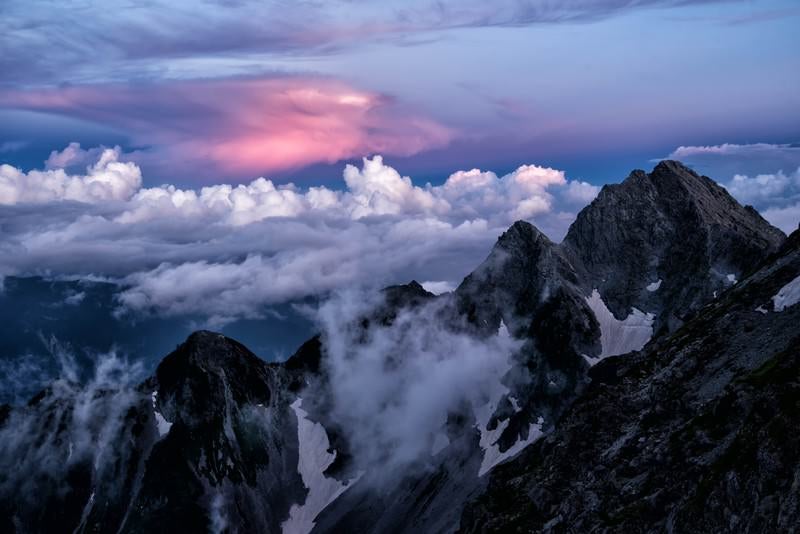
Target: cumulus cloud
(106, 179)
(374, 190)
(73, 156)
(581, 193)
(766, 189)
(523, 193)
(786, 218)
(380, 190)
(227, 251)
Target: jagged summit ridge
(666, 242)
(692, 434)
(207, 371)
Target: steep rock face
(695, 433)
(523, 270)
(529, 284)
(230, 451)
(427, 498)
(666, 242)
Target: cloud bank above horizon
(226, 251)
(204, 98)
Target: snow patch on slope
(162, 424)
(619, 337)
(313, 460)
(438, 287)
(789, 295)
(488, 438)
(492, 454)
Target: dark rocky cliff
(694, 434)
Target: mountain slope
(535, 342)
(696, 433)
(666, 242)
(210, 437)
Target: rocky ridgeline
(696, 433)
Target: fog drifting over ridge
(393, 386)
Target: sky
(226, 155)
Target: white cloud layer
(372, 191)
(227, 251)
(764, 189)
(786, 218)
(722, 162)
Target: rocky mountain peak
(523, 236)
(692, 434)
(667, 242)
(409, 294)
(521, 272)
(207, 372)
(209, 353)
(671, 167)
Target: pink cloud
(243, 127)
